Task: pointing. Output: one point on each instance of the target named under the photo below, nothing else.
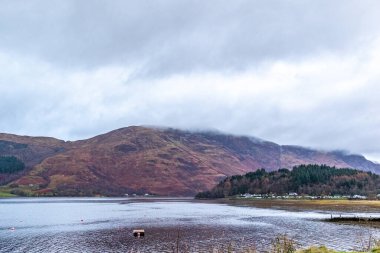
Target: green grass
(284, 244)
(323, 249)
(4, 194)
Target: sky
(292, 72)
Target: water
(106, 224)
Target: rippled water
(105, 225)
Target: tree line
(10, 164)
(313, 180)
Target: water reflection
(105, 225)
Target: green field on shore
(5, 194)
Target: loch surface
(106, 224)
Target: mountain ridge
(161, 161)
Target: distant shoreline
(334, 206)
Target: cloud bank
(292, 72)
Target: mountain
(160, 161)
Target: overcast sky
(293, 72)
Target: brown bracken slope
(158, 161)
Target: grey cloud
(50, 52)
(350, 122)
(171, 37)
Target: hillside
(30, 150)
(160, 161)
(312, 180)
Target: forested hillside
(10, 168)
(10, 164)
(303, 179)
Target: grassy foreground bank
(323, 249)
(283, 244)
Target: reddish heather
(157, 161)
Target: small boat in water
(138, 233)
